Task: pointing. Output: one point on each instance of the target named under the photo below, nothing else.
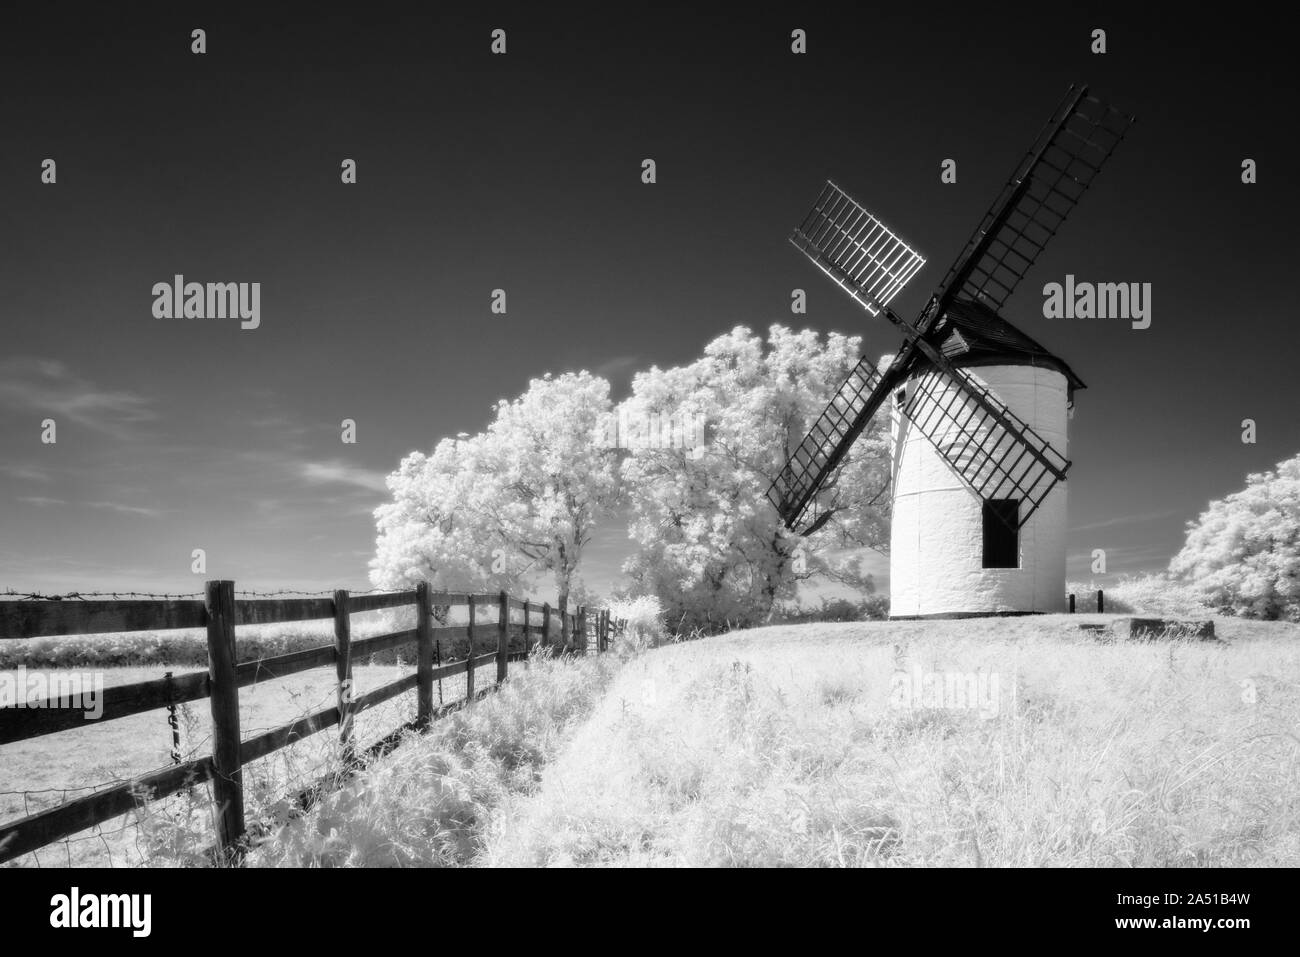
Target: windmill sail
(994, 452)
(1046, 185)
(863, 255)
(817, 457)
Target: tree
(709, 543)
(520, 499)
(1243, 552)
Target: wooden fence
(219, 613)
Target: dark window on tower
(1002, 533)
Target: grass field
(987, 742)
(796, 746)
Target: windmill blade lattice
(863, 255)
(994, 452)
(811, 464)
(1047, 184)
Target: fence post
(437, 662)
(174, 724)
(528, 613)
(228, 781)
(1071, 603)
(564, 624)
(1101, 604)
(469, 656)
(503, 640)
(582, 628)
(546, 624)
(343, 669)
(423, 656)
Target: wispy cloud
(25, 473)
(616, 367)
(283, 426)
(341, 473)
(50, 388)
(1126, 520)
(126, 509)
(42, 501)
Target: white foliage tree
(709, 543)
(1243, 553)
(490, 511)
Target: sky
(523, 172)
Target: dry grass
(781, 746)
(43, 772)
(430, 802)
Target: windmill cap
(971, 334)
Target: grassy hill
(1030, 743)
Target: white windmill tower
(979, 409)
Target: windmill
(978, 483)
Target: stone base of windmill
(1152, 629)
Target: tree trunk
(563, 580)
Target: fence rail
(220, 613)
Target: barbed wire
(83, 595)
(61, 791)
(295, 591)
